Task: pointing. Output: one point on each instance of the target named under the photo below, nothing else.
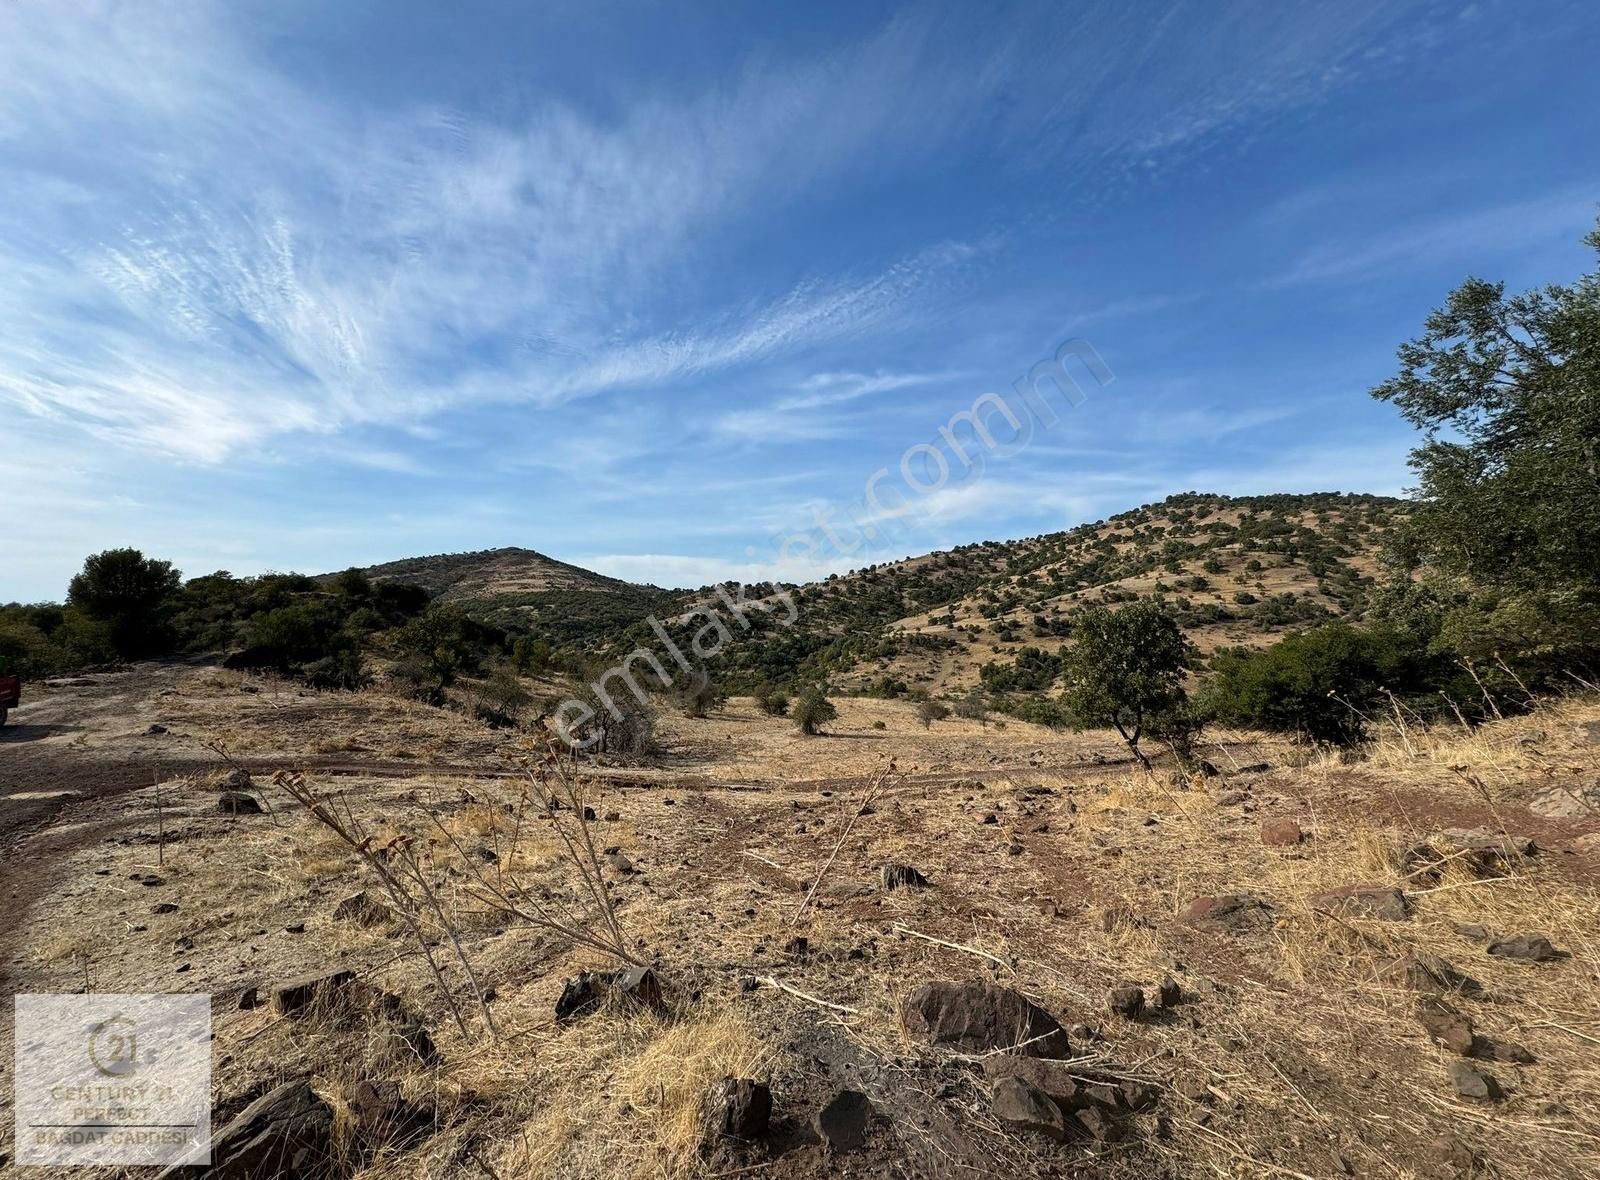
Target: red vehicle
(10, 691)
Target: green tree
(1125, 669)
(1506, 390)
(813, 710)
(131, 597)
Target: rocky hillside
(493, 573)
(1234, 570)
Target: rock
(1503, 1051)
(735, 1108)
(295, 928)
(164, 907)
(589, 815)
(237, 803)
(1447, 1027)
(1232, 798)
(1561, 802)
(1193, 1087)
(893, 876)
(364, 910)
(613, 816)
(1535, 948)
(1364, 901)
(586, 991)
(1449, 1157)
(1422, 971)
(1484, 852)
(990, 817)
(981, 1017)
(620, 864)
(842, 1123)
(1472, 930)
(1024, 1106)
(798, 947)
(1168, 993)
(155, 731)
(249, 999)
(1230, 911)
(300, 996)
(383, 1117)
(1473, 1083)
(286, 1132)
(1126, 1001)
(1281, 833)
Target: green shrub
(813, 710)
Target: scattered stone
(1560, 802)
(164, 907)
(238, 780)
(1503, 1051)
(1020, 1104)
(589, 815)
(1127, 1001)
(364, 910)
(155, 731)
(894, 876)
(298, 996)
(250, 999)
(1014, 849)
(1364, 901)
(1473, 1083)
(1193, 1087)
(1423, 971)
(1232, 798)
(237, 803)
(798, 947)
(1230, 911)
(990, 817)
(842, 1123)
(1535, 948)
(1450, 1157)
(586, 991)
(1484, 852)
(148, 880)
(286, 1132)
(1473, 931)
(383, 1117)
(621, 864)
(1282, 832)
(1447, 1027)
(613, 816)
(982, 1017)
(1119, 915)
(295, 928)
(735, 1108)
(1168, 993)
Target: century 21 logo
(114, 1046)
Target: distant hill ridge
(494, 573)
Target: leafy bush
(771, 701)
(1125, 669)
(813, 710)
(930, 711)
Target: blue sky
(300, 286)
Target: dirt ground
(1053, 868)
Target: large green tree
(1125, 669)
(1506, 389)
(131, 596)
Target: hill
(1234, 570)
(493, 573)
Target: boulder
(842, 1123)
(1127, 1001)
(586, 991)
(287, 1132)
(1535, 948)
(1474, 1083)
(981, 1017)
(1019, 1104)
(384, 1118)
(297, 997)
(238, 803)
(1168, 993)
(893, 876)
(1423, 971)
(1282, 832)
(1230, 911)
(364, 910)
(737, 1109)
(1364, 901)
(1563, 802)
(1447, 1027)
